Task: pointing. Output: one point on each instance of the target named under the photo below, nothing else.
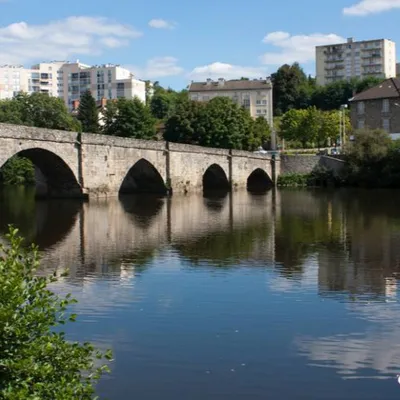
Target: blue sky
(174, 41)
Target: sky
(177, 41)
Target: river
(287, 295)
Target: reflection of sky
(370, 353)
(373, 352)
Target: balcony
(371, 55)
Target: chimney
(350, 40)
(208, 81)
(221, 81)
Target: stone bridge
(76, 165)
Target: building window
(360, 124)
(360, 107)
(258, 111)
(205, 98)
(385, 105)
(258, 102)
(264, 102)
(386, 124)
(246, 103)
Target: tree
(182, 125)
(290, 83)
(38, 109)
(36, 360)
(129, 118)
(222, 123)
(88, 113)
(259, 135)
(291, 124)
(369, 146)
(18, 171)
(161, 104)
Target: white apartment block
(70, 80)
(255, 95)
(354, 59)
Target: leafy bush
(293, 179)
(18, 171)
(322, 176)
(36, 360)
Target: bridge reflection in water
(279, 229)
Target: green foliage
(222, 123)
(88, 113)
(294, 90)
(217, 123)
(160, 105)
(182, 125)
(39, 110)
(369, 146)
(260, 134)
(290, 85)
(36, 360)
(129, 118)
(319, 176)
(292, 179)
(311, 127)
(17, 171)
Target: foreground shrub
(36, 360)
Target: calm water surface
(288, 295)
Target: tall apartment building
(354, 59)
(70, 80)
(255, 95)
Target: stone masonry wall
(300, 164)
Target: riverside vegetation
(36, 359)
(372, 160)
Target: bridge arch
(259, 181)
(59, 179)
(143, 177)
(215, 179)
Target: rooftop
(234, 84)
(390, 88)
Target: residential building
(353, 59)
(13, 79)
(104, 81)
(255, 95)
(378, 108)
(398, 70)
(70, 80)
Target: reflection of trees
(43, 222)
(308, 222)
(372, 245)
(227, 248)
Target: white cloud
(157, 67)
(228, 71)
(159, 23)
(292, 48)
(21, 42)
(365, 7)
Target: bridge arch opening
(215, 180)
(53, 177)
(259, 181)
(143, 177)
